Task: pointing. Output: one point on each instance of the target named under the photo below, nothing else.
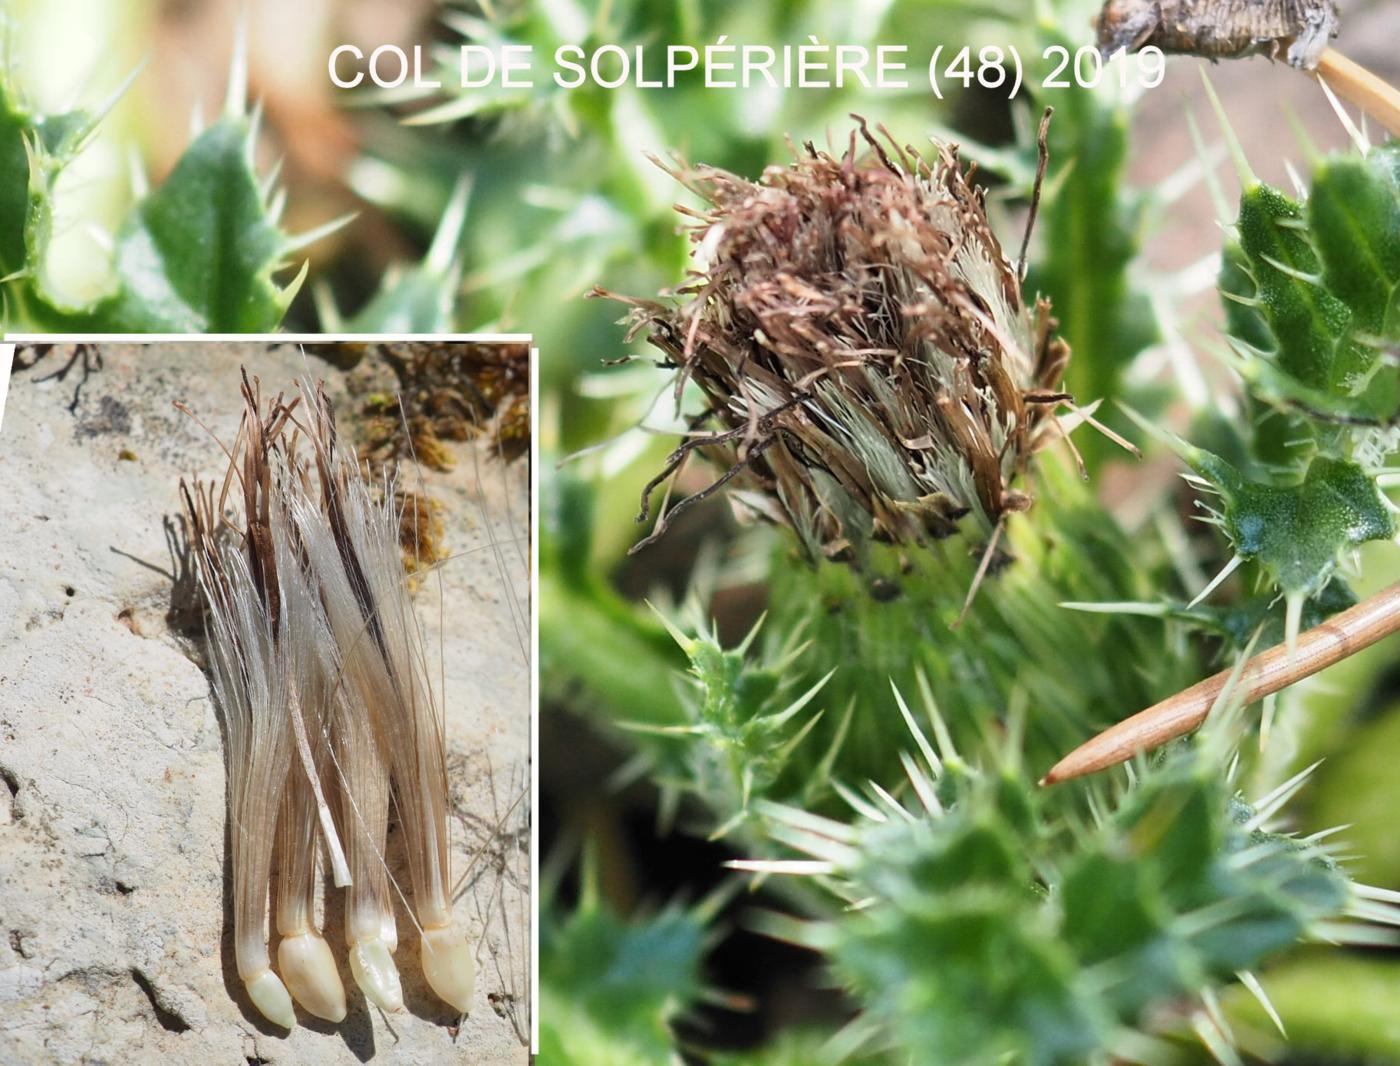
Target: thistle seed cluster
(318, 669)
(862, 342)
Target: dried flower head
(863, 344)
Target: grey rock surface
(115, 937)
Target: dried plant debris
(421, 533)
(319, 672)
(1222, 29)
(861, 339)
(81, 360)
(446, 391)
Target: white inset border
(7, 359)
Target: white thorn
(798, 867)
(1357, 137)
(1225, 571)
(1270, 804)
(934, 763)
(1257, 991)
(136, 175)
(236, 102)
(311, 236)
(443, 251)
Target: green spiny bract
(414, 298)
(805, 701)
(1017, 661)
(890, 623)
(744, 722)
(972, 932)
(610, 989)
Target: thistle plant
(873, 773)
(975, 932)
(1310, 288)
(205, 250)
(560, 178)
(612, 989)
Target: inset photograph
(265, 702)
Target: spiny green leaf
(612, 987)
(745, 716)
(422, 298)
(409, 301)
(1311, 286)
(1241, 619)
(978, 979)
(1311, 326)
(1354, 220)
(33, 150)
(198, 255)
(15, 126)
(1297, 532)
(962, 954)
(1244, 321)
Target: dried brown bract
(862, 341)
(1222, 29)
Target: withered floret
(871, 370)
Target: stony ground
(115, 936)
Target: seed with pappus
(871, 370)
(323, 687)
